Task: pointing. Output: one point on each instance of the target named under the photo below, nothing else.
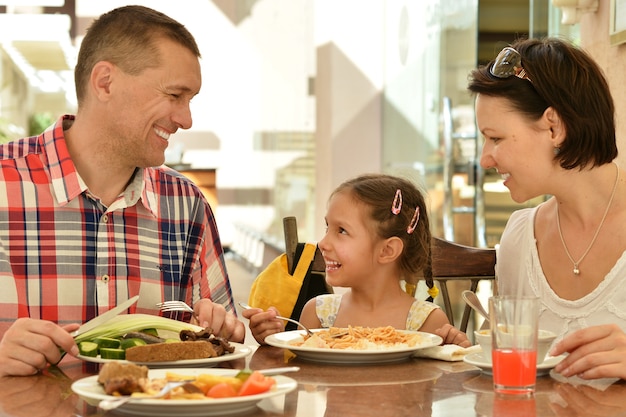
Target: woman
(547, 117)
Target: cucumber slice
(132, 342)
(87, 348)
(111, 353)
(107, 342)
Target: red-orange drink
(514, 371)
(514, 406)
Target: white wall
(255, 78)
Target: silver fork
(114, 403)
(296, 322)
(182, 306)
(174, 305)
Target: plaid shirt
(72, 258)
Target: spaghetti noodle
(360, 338)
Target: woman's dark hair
(128, 37)
(566, 78)
(378, 192)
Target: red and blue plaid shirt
(72, 258)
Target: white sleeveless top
(327, 306)
(518, 271)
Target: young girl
(377, 235)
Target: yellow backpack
(274, 286)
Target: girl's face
(520, 150)
(350, 244)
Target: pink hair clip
(414, 221)
(396, 206)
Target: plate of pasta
(354, 344)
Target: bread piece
(166, 352)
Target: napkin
(450, 353)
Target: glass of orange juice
(514, 327)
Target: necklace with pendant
(558, 225)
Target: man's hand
(224, 324)
(29, 345)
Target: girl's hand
(263, 323)
(452, 336)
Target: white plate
(327, 355)
(90, 390)
(241, 351)
(477, 359)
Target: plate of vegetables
(223, 392)
(109, 342)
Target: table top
(414, 387)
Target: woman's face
(519, 149)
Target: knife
(104, 317)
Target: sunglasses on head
(508, 63)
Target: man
(86, 219)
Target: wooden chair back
(290, 230)
(455, 262)
(314, 283)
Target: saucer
(478, 360)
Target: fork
(175, 305)
(296, 322)
(169, 386)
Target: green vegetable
(132, 342)
(244, 374)
(151, 331)
(110, 353)
(125, 323)
(107, 342)
(88, 349)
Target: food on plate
(165, 352)
(193, 345)
(129, 379)
(220, 344)
(115, 348)
(144, 346)
(88, 348)
(360, 338)
(144, 337)
(122, 378)
(125, 323)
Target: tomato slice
(256, 383)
